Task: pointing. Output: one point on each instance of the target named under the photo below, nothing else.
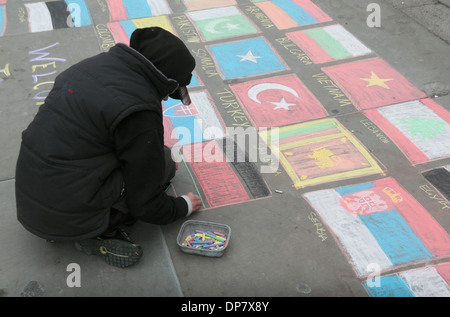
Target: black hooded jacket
(70, 169)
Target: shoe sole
(118, 253)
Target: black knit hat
(169, 54)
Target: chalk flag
(379, 222)
(47, 16)
(420, 128)
(329, 43)
(430, 281)
(278, 101)
(372, 83)
(187, 124)
(219, 175)
(2, 20)
(219, 182)
(440, 179)
(207, 4)
(122, 30)
(246, 58)
(287, 14)
(320, 151)
(134, 9)
(221, 22)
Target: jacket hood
(139, 63)
(166, 51)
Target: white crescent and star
(254, 91)
(211, 27)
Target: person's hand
(195, 200)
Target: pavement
(358, 205)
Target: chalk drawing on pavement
(246, 58)
(2, 19)
(379, 222)
(192, 5)
(321, 151)
(197, 122)
(278, 101)
(440, 179)
(372, 83)
(430, 281)
(220, 23)
(420, 128)
(218, 177)
(328, 43)
(134, 9)
(287, 14)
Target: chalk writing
(260, 16)
(432, 194)
(332, 89)
(5, 72)
(440, 179)
(107, 40)
(186, 27)
(206, 62)
(41, 79)
(22, 15)
(233, 108)
(320, 229)
(294, 50)
(372, 127)
(102, 5)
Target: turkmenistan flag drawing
(329, 43)
(221, 22)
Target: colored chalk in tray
(203, 238)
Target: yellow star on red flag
(374, 80)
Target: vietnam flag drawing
(372, 83)
(134, 9)
(379, 222)
(221, 22)
(50, 15)
(329, 43)
(287, 14)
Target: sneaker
(116, 249)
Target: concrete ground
(280, 245)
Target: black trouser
(119, 211)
